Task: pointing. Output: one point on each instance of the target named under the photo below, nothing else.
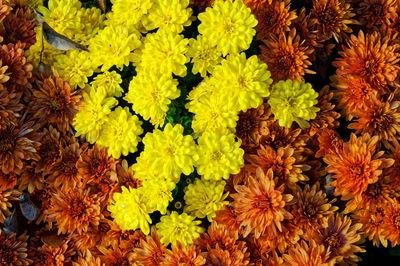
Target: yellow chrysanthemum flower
(113, 46)
(172, 152)
(245, 81)
(61, 15)
(219, 155)
(129, 210)
(164, 52)
(158, 195)
(205, 56)
(175, 228)
(92, 21)
(150, 94)
(293, 101)
(110, 82)
(171, 15)
(93, 113)
(145, 169)
(203, 198)
(229, 25)
(128, 13)
(214, 113)
(75, 66)
(121, 132)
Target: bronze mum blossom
(9, 107)
(13, 249)
(6, 196)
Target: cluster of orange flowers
(303, 197)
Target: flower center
(216, 156)
(77, 208)
(6, 255)
(7, 141)
(333, 241)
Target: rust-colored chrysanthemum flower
(30, 179)
(305, 29)
(9, 107)
(5, 197)
(126, 239)
(41, 198)
(276, 136)
(126, 178)
(219, 256)
(49, 150)
(261, 254)
(250, 124)
(12, 55)
(150, 251)
(19, 27)
(17, 143)
(201, 5)
(114, 256)
(217, 234)
(74, 211)
(352, 93)
(356, 166)
(87, 259)
(13, 249)
(286, 57)
(392, 223)
(8, 181)
(331, 18)
(65, 173)
(183, 255)
(311, 254)
(285, 164)
(375, 13)
(327, 117)
(329, 142)
(371, 58)
(342, 237)
(274, 17)
(261, 204)
(48, 255)
(312, 207)
(4, 10)
(372, 220)
(381, 118)
(97, 169)
(54, 101)
(392, 173)
(228, 217)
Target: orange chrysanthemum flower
(126, 239)
(183, 255)
(311, 254)
(4, 10)
(19, 27)
(64, 173)
(352, 93)
(392, 223)
(392, 173)
(13, 249)
(372, 220)
(276, 136)
(116, 256)
(274, 17)
(8, 181)
(30, 179)
(74, 211)
(6, 196)
(375, 13)
(305, 29)
(341, 237)
(219, 256)
(97, 169)
(356, 166)
(380, 118)
(48, 255)
(331, 18)
(327, 117)
(217, 235)
(9, 107)
(371, 58)
(54, 101)
(20, 71)
(49, 150)
(150, 251)
(286, 57)
(312, 207)
(87, 259)
(250, 124)
(260, 204)
(17, 143)
(329, 142)
(261, 254)
(284, 163)
(228, 217)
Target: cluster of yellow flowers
(232, 83)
